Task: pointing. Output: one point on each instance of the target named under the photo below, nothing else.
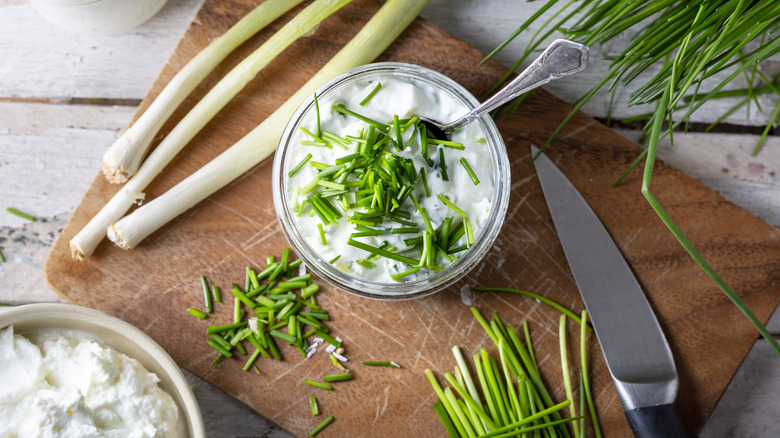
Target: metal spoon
(561, 58)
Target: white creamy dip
(405, 98)
(66, 383)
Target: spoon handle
(561, 58)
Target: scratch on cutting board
(381, 411)
(578, 130)
(630, 239)
(382, 332)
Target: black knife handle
(662, 421)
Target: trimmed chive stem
(507, 397)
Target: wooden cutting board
(153, 285)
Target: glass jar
(98, 16)
(436, 281)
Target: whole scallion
(85, 242)
(383, 28)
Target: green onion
(207, 294)
(322, 425)
(469, 170)
(443, 165)
(337, 377)
(381, 364)
(371, 94)
(322, 234)
(315, 410)
(299, 165)
(381, 252)
(21, 214)
(196, 313)
(318, 384)
(123, 158)
(84, 243)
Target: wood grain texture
(152, 285)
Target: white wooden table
(65, 97)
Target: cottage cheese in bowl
(68, 383)
(372, 206)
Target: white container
(98, 16)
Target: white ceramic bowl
(120, 335)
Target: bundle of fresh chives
(508, 397)
(686, 44)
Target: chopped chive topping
(382, 364)
(322, 425)
(371, 94)
(381, 252)
(452, 206)
(196, 313)
(469, 170)
(378, 125)
(318, 384)
(2, 257)
(21, 214)
(447, 143)
(315, 410)
(334, 259)
(299, 165)
(322, 234)
(399, 276)
(443, 165)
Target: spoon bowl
(561, 58)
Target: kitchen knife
(635, 348)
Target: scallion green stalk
(383, 28)
(85, 242)
(124, 157)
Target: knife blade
(634, 346)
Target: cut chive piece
(382, 364)
(424, 178)
(315, 410)
(443, 165)
(217, 346)
(378, 125)
(469, 170)
(207, 294)
(322, 425)
(290, 339)
(21, 214)
(447, 143)
(451, 205)
(318, 384)
(337, 377)
(299, 165)
(322, 234)
(371, 94)
(215, 293)
(317, 109)
(196, 313)
(381, 252)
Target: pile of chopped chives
(376, 190)
(275, 304)
(508, 397)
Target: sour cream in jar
(452, 187)
(68, 383)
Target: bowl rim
(27, 318)
(430, 284)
